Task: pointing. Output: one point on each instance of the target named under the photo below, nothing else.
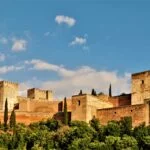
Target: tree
(80, 93)
(65, 112)
(110, 92)
(93, 92)
(12, 120)
(126, 125)
(6, 114)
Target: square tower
(140, 87)
(39, 94)
(8, 90)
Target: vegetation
(80, 93)
(12, 120)
(93, 92)
(65, 112)
(110, 92)
(52, 134)
(6, 114)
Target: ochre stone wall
(139, 114)
(120, 100)
(140, 87)
(8, 90)
(39, 94)
(79, 108)
(84, 107)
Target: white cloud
(6, 69)
(2, 57)
(85, 78)
(60, 19)
(19, 45)
(78, 41)
(3, 40)
(42, 65)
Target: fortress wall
(121, 100)
(8, 90)
(139, 114)
(93, 103)
(140, 87)
(43, 106)
(28, 117)
(40, 94)
(84, 107)
(79, 107)
(103, 97)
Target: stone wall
(139, 114)
(8, 90)
(39, 94)
(84, 107)
(140, 87)
(120, 100)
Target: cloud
(19, 45)
(2, 57)
(70, 81)
(78, 41)
(3, 40)
(42, 65)
(6, 69)
(60, 19)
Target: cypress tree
(12, 120)
(65, 112)
(6, 114)
(80, 93)
(93, 92)
(110, 93)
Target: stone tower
(140, 87)
(8, 90)
(39, 94)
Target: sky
(68, 45)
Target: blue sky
(74, 44)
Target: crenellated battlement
(8, 83)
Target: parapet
(140, 74)
(8, 83)
(39, 94)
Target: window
(78, 102)
(142, 81)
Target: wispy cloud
(2, 57)
(72, 80)
(6, 69)
(19, 45)
(78, 41)
(61, 19)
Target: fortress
(39, 104)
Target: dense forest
(77, 135)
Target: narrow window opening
(142, 81)
(79, 103)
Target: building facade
(39, 104)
